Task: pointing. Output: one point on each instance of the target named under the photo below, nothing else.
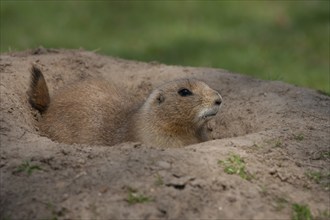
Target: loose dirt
(280, 131)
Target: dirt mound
(270, 153)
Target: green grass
(27, 167)
(52, 208)
(322, 178)
(235, 165)
(323, 215)
(316, 176)
(278, 143)
(135, 197)
(159, 180)
(281, 203)
(301, 212)
(275, 40)
(298, 137)
(325, 155)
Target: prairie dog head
(184, 105)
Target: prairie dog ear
(160, 97)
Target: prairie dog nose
(218, 100)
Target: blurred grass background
(274, 40)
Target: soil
(281, 132)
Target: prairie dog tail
(38, 91)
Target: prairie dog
(98, 112)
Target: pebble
(164, 164)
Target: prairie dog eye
(184, 92)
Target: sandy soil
(279, 130)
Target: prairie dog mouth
(208, 113)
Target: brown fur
(97, 112)
(38, 92)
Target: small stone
(282, 177)
(65, 196)
(272, 171)
(81, 161)
(164, 164)
(232, 199)
(104, 189)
